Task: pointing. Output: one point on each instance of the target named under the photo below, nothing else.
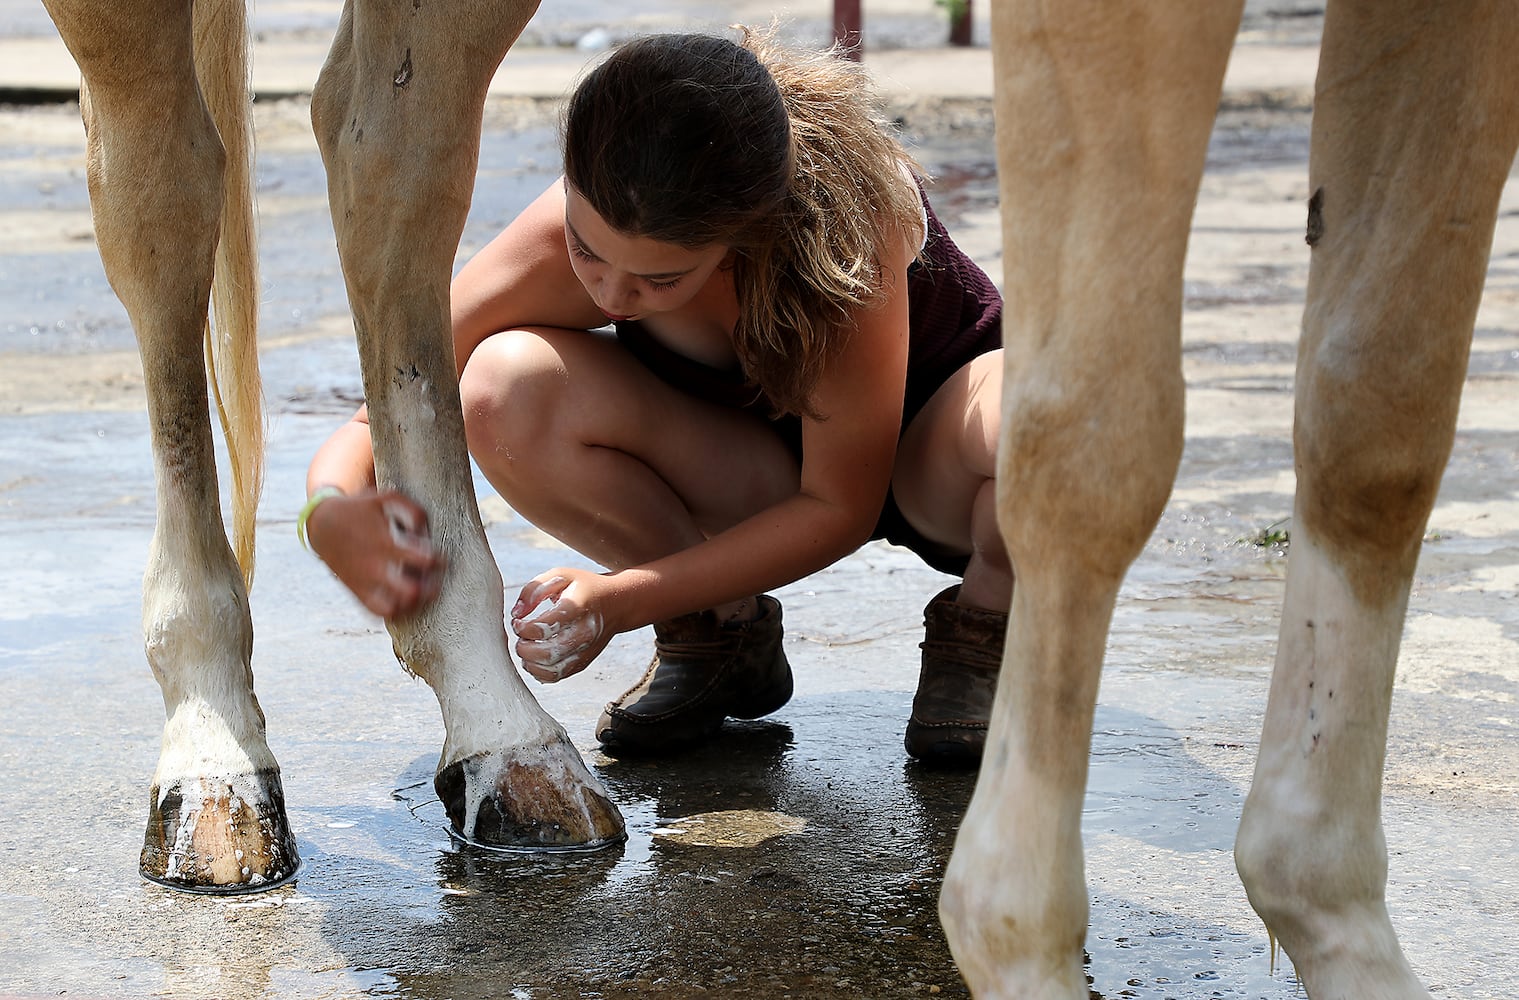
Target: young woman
(800, 359)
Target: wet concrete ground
(799, 856)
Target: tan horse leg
(1103, 116)
(217, 819)
(1415, 124)
(397, 113)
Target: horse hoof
(528, 799)
(220, 837)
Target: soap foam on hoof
(528, 799)
(209, 837)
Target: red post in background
(848, 28)
(960, 25)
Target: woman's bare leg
(588, 444)
(945, 479)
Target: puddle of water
(730, 828)
(776, 863)
(618, 864)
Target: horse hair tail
(223, 65)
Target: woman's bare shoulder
(522, 278)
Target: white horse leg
(1103, 116)
(397, 114)
(217, 819)
(1415, 124)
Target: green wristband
(312, 502)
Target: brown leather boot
(703, 672)
(962, 655)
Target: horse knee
(1085, 471)
(1369, 466)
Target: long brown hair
(780, 154)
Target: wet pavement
(798, 856)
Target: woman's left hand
(561, 622)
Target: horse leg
(1416, 118)
(217, 817)
(397, 113)
(1103, 117)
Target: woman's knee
(948, 453)
(510, 390)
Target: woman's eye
(662, 285)
(582, 252)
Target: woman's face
(632, 277)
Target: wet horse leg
(156, 168)
(1416, 117)
(1103, 116)
(397, 113)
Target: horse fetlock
(219, 835)
(1293, 851)
(1011, 944)
(196, 633)
(1318, 880)
(538, 797)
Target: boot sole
(945, 751)
(615, 737)
(769, 700)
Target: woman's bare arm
(378, 543)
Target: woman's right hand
(379, 545)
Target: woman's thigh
(541, 395)
(949, 452)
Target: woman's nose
(618, 294)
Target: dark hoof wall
(531, 800)
(220, 839)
